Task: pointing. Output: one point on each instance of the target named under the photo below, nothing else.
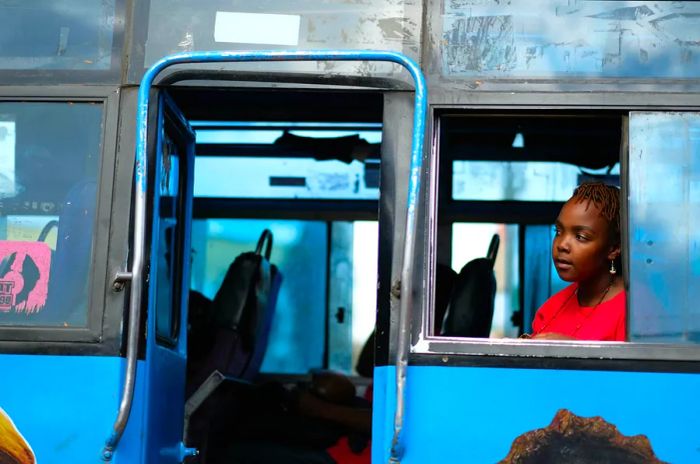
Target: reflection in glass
(664, 227)
(169, 253)
(57, 34)
(521, 180)
(282, 178)
(49, 160)
(560, 38)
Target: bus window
(522, 180)
(170, 254)
(509, 175)
(663, 235)
(49, 159)
(594, 39)
(62, 36)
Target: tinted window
(170, 253)
(664, 197)
(49, 161)
(61, 35)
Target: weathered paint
(473, 414)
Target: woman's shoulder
(618, 300)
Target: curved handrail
(140, 178)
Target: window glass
(285, 178)
(664, 237)
(523, 180)
(169, 255)
(471, 241)
(49, 162)
(565, 38)
(297, 338)
(189, 25)
(325, 161)
(58, 35)
(352, 300)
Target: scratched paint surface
(564, 38)
(392, 25)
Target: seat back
(70, 265)
(471, 306)
(241, 315)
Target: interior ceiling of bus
(589, 140)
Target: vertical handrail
(141, 177)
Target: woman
(586, 252)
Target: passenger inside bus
(510, 175)
(586, 252)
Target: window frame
(34, 339)
(522, 353)
(171, 125)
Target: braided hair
(607, 199)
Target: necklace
(586, 317)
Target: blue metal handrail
(141, 176)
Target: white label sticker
(257, 28)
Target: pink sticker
(24, 276)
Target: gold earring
(613, 271)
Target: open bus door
(168, 290)
(162, 217)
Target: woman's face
(582, 249)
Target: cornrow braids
(607, 198)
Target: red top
(341, 452)
(562, 314)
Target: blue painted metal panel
(64, 405)
(473, 414)
(165, 366)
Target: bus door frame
(166, 359)
(135, 275)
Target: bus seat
(70, 265)
(471, 306)
(242, 313)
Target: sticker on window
(24, 276)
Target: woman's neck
(594, 291)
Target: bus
(217, 216)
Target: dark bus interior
(305, 166)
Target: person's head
(587, 239)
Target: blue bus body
(145, 146)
